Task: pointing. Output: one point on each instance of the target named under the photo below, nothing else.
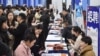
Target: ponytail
(82, 33)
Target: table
(54, 38)
(54, 54)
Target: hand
(12, 27)
(41, 51)
(70, 41)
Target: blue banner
(93, 27)
(4, 2)
(93, 17)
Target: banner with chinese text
(93, 26)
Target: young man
(86, 48)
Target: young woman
(86, 48)
(79, 35)
(4, 40)
(11, 21)
(31, 20)
(3, 30)
(24, 47)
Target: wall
(21, 2)
(94, 2)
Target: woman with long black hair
(79, 35)
(4, 39)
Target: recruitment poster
(79, 20)
(93, 27)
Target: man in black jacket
(66, 32)
(20, 30)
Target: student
(39, 44)
(20, 30)
(79, 34)
(4, 39)
(24, 47)
(45, 18)
(75, 44)
(3, 30)
(11, 20)
(86, 48)
(66, 31)
(31, 20)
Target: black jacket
(66, 33)
(18, 33)
(4, 37)
(4, 50)
(46, 20)
(39, 45)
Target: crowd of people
(23, 31)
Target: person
(3, 30)
(4, 49)
(66, 31)
(75, 44)
(4, 39)
(39, 44)
(24, 47)
(20, 30)
(11, 24)
(51, 15)
(23, 10)
(45, 18)
(86, 48)
(11, 20)
(38, 15)
(1, 11)
(79, 34)
(31, 20)
(66, 16)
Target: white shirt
(77, 42)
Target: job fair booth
(55, 45)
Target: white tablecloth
(54, 39)
(54, 54)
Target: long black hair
(13, 21)
(30, 19)
(2, 20)
(87, 40)
(32, 29)
(78, 30)
(38, 26)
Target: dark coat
(46, 20)
(4, 37)
(39, 44)
(66, 33)
(18, 33)
(67, 18)
(4, 50)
